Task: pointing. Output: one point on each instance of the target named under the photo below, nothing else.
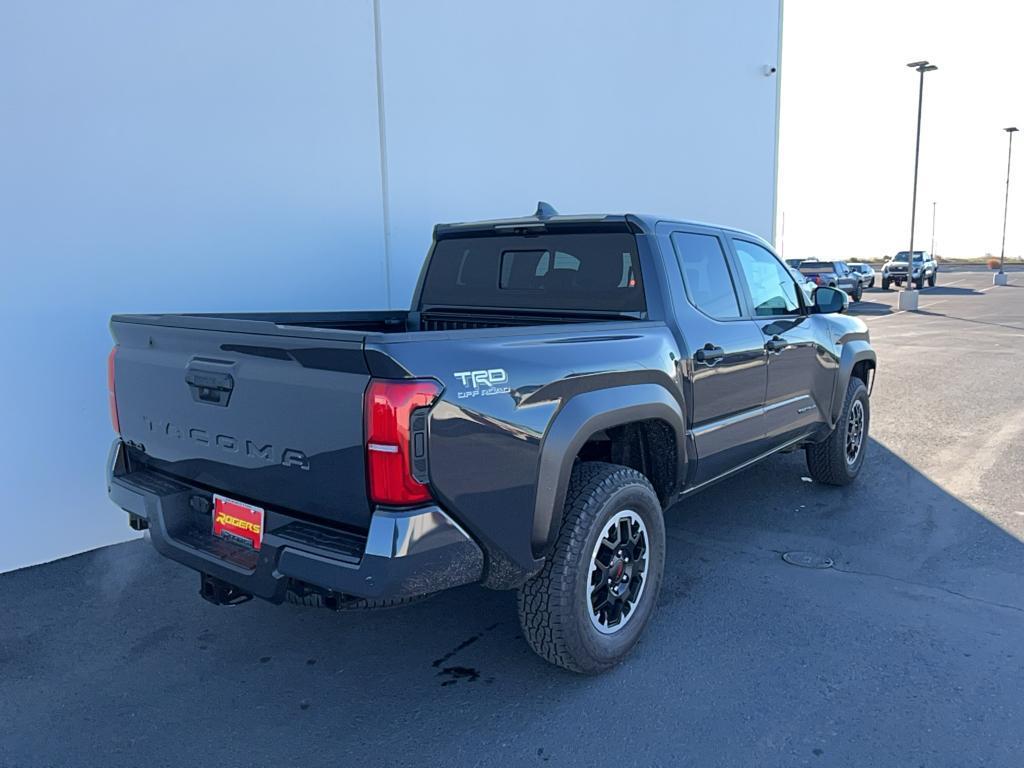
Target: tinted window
(772, 290)
(597, 272)
(706, 275)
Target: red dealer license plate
(238, 522)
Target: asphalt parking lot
(909, 651)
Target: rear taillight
(392, 443)
(115, 422)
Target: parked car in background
(834, 274)
(806, 284)
(794, 263)
(867, 273)
(924, 268)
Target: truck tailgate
(275, 420)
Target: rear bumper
(405, 553)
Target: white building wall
(653, 106)
(227, 156)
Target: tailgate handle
(210, 387)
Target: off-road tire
(827, 460)
(554, 606)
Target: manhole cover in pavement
(807, 560)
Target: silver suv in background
(924, 268)
(867, 273)
(833, 274)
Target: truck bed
(362, 324)
(268, 407)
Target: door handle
(776, 344)
(709, 354)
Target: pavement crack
(921, 585)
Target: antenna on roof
(545, 210)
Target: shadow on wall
(757, 657)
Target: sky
(848, 120)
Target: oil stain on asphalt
(455, 673)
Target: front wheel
(931, 280)
(885, 284)
(858, 293)
(837, 460)
(590, 602)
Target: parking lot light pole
(1000, 277)
(908, 298)
(932, 251)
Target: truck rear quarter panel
(502, 393)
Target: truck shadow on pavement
(950, 290)
(870, 308)
(749, 660)
(972, 320)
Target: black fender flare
(579, 418)
(854, 351)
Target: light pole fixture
(1000, 277)
(908, 298)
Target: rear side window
(597, 272)
(771, 287)
(706, 277)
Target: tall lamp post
(1000, 277)
(908, 298)
(932, 251)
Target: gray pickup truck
(835, 274)
(558, 382)
(925, 269)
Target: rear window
(597, 272)
(812, 266)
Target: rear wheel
(837, 459)
(590, 602)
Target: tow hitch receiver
(220, 592)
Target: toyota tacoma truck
(558, 382)
(925, 269)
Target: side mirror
(829, 300)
